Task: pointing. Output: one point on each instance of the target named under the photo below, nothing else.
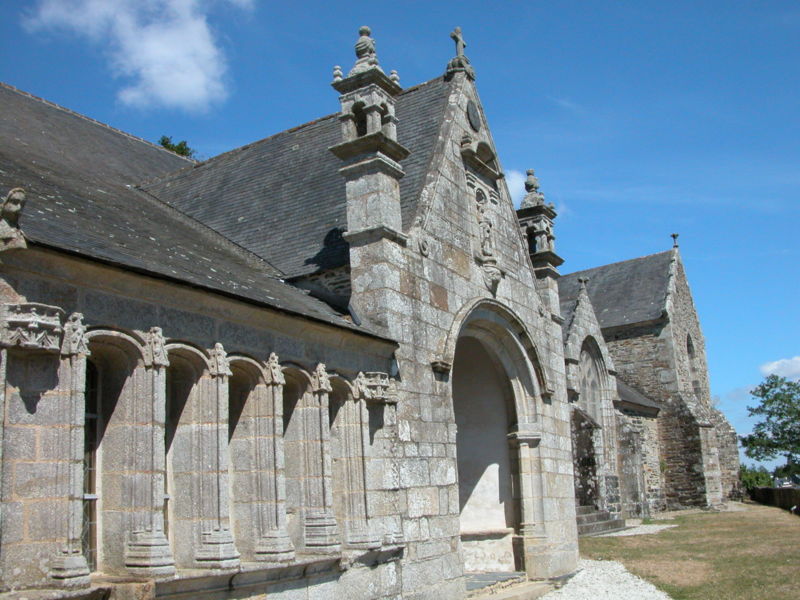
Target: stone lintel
(365, 78)
(441, 366)
(373, 234)
(377, 144)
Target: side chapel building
(333, 363)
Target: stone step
(528, 590)
(585, 510)
(599, 527)
(600, 515)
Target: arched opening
(349, 423)
(245, 393)
(587, 427)
(114, 378)
(483, 404)
(183, 378)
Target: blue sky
(641, 119)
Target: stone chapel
(332, 363)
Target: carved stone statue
(321, 381)
(219, 361)
(156, 352)
(274, 370)
(487, 237)
(74, 336)
(10, 234)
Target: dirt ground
(751, 552)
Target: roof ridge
(619, 262)
(74, 113)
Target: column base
(69, 569)
(148, 554)
(362, 540)
(274, 546)
(320, 533)
(217, 550)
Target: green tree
(778, 432)
(752, 477)
(181, 147)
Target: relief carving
(219, 361)
(155, 354)
(32, 326)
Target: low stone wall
(786, 498)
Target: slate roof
(79, 176)
(282, 197)
(623, 293)
(631, 396)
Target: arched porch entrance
(495, 383)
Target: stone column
(217, 549)
(147, 552)
(526, 441)
(273, 543)
(320, 529)
(69, 565)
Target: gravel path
(605, 580)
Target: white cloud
(784, 367)
(516, 185)
(164, 50)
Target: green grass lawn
(753, 554)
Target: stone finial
(10, 234)
(366, 58)
(674, 237)
(533, 197)
(337, 73)
(460, 62)
(394, 76)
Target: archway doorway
(483, 403)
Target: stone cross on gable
(459, 40)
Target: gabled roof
(623, 293)
(79, 176)
(282, 197)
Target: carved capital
(155, 355)
(219, 361)
(31, 326)
(441, 366)
(75, 341)
(320, 382)
(274, 371)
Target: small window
(360, 119)
(690, 347)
